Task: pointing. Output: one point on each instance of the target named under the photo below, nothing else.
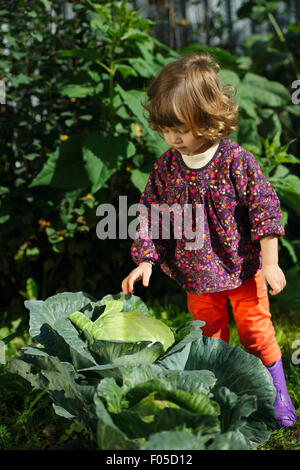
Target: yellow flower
(87, 196)
(63, 137)
(60, 233)
(73, 100)
(44, 223)
(128, 168)
(183, 22)
(138, 130)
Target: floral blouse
(239, 208)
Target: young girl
(241, 215)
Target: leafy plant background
(74, 136)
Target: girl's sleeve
(145, 248)
(257, 194)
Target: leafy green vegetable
(132, 326)
(136, 384)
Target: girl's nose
(176, 139)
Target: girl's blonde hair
(188, 92)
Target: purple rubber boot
(284, 409)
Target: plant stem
(111, 71)
(276, 27)
(111, 96)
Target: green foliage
(220, 394)
(28, 421)
(274, 53)
(41, 428)
(73, 139)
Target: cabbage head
(130, 326)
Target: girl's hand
(272, 274)
(143, 271)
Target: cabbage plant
(135, 383)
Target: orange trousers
(250, 308)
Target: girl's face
(184, 141)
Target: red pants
(250, 307)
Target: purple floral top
(240, 207)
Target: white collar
(200, 159)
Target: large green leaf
(49, 326)
(80, 356)
(130, 302)
(102, 156)
(234, 408)
(133, 100)
(289, 188)
(231, 440)
(112, 395)
(141, 66)
(164, 416)
(202, 380)
(155, 143)
(293, 109)
(266, 92)
(242, 373)
(177, 355)
(54, 308)
(70, 392)
(228, 77)
(248, 108)
(108, 399)
(64, 168)
(186, 391)
(139, 179)
(109, 436)
(248, 136)
(132, 376)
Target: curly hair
(189, 92)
